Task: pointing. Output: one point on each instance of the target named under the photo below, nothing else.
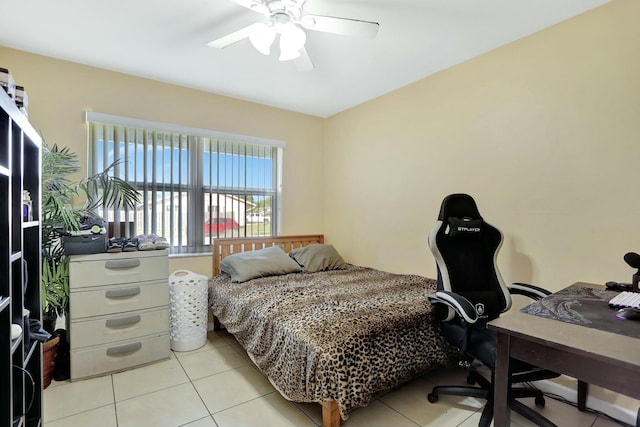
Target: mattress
(340, 335)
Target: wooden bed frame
(224, 247)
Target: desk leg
(502, 383)
(583, 389)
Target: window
(195, 184)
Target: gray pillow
(318, 257)
(248, 265)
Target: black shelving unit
(20, 268)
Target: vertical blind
(195, 185)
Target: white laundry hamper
(187, 310)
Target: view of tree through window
(194, 188)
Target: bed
(335, 337)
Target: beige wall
(60, 92)
(544, 133)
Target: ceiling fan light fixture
(292, 40)
(288, 55)
(287, 19)
(262, 38)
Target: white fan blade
(254, 5)
(344, 26)
(303, 63)
(234, 37)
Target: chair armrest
(458, 303)
(533, 292)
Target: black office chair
(471, 292)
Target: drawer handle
(122, 293)
(123, 349)
(118, 264)
(122, 321)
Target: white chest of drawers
(119, 311)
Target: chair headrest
(458, 206)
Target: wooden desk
(592, 356)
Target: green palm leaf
(58, 213)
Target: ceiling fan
(284, 18)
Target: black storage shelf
(33, 347)
(15, 344)
(16, 256)
(20, 251)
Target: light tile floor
(218, 386)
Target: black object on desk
(628, 313)
(619, 287)
(633, 260)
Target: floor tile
(312, 410)
(210, 362)
(377, 414)
(100, 417)
(559, 413)
(75, 397)
(214, 340)
(231, 388)
(233, 343)
(619, 406)
(411, 400)
(55, 383)
(605, 422)
(473, 421)
(203, 422)
(271, 410)
(170, 407)
(220, 379)
(146, 379)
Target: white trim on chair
(444, 273)
(505, 289)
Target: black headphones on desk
(633, 260)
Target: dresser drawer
(111, 269)
(123, 326)
(92, 361)
(118, 299)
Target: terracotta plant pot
(49, 351)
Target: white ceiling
(166, 40)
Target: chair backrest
(466, 249)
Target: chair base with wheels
(484, 390)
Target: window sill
(188, 255)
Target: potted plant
(58, 192)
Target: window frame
(196, 190)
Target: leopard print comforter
(340, 335)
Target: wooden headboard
(228, 246)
